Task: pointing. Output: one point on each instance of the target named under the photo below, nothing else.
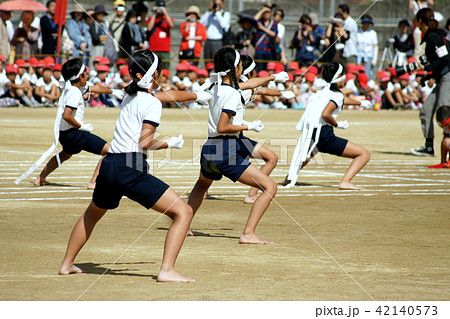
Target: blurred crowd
(31, 76)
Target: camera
(411, 67)
(160, 3)
(270, 5)
(336, 20)
(214, 6)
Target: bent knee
(366, 155)
(270, 187)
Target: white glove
(281, 77)
(86, 127)
(203, 97)
(256, 126)
(342, 125)
(287, 95)
(366, 104)
(118, 94)
(175, 142)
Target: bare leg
(176, 208)
(50, 167)
(270, 159)
(255, 178)
(361, 157)
(80, 234)
(197, 195)
(91, 184)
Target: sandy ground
(388, 242)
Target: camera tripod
(387, 57)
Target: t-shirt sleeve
(73, 98)
(152, 113)
(338, 99)
(231, 103)
(40, 82)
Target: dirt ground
(387, 242)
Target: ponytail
(140, 62)
(426, 16)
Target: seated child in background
(47, 90)
(386, 90)
(180, 80)
(443, 119)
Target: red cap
(209, 66)
(57, 67)
(279, 67)
(125, 71)
(404, 77)
(293, 66)
(310, 77)
(121, 61)
(182, 67)
(422, 73)
(263, 74)
(193, 68)
(98, 59)
(49, 60)
(102, 68)
(352, 68)
(313, 69)
(21, 63)
(166, 73)
(391, 70)
(270, 66)
(291, 77)
(48, 66)
(384, 76)
(412, 59)
(361, 68)
(349, 76)
(11, 68)
(41, 64)
(33, 61)
(202, 72)
(363, 80)
(104, 60)
(2, 58)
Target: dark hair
(49, 2)
(447, 24)
(344, 8)
(140, 62)
(224, 60)
(130, 13)
(70, 68)
(403, 22)
(304, 18)
(246, 61)
(328, 72)
(338, 15)
(281, 11)
(426, 15)
(443, 113)
(139, 7)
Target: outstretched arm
(256, 82)
(175, 96)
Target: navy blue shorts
(246, 146)
(222, 156)
(74, 141)
(330, 143)
(126, 174)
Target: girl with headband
(222, 154)
(317, 125)
(124, 170)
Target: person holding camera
(193, 34)
(218, 23)
(158, 34)
(304, 39)
(350, 51)
(335, 38)
(436, 51)
(117, 22)
(265, 39)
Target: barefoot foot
(349, 186)
(69, 269)
(190, 233)
(172, 276)
(40, 182)
(253, 239)
(250, 199)
(91, 185)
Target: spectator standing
(159, 26)
(335, 38)
(367, 44)
(244, 36)
(403, 43)
(79, 33)
(278, 16)
(117, 22)
(303, 40)
(4, 33)
(217, 22)
(265, 37)
(319, 32)
(27, 42)
(131, 38)
(49, 30)
(193, 34)
(99, 31)
(350, 50)
(414, 7)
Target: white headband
(217, 76)
(335, 77)
(73, 78)
(146, 81)
(249, 69)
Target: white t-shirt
(338, 99)
(229, 101)
(73, 98)
(426, 89)
(136, 110)
(20, 79)
(47, 86)
(3, 81)
(351, 86)
(350, 45)
(185, 81)
(281, 32)
(366, 40)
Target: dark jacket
(438, 65)
(48, 27)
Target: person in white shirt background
(350, 25)
(367, 44)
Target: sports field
(388, 242)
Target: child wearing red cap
(102, 78)
(386, 90)
(443, 119)
(5, 98)
(47, 89)
(180, 80)
(17, 89)
(409, 94)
